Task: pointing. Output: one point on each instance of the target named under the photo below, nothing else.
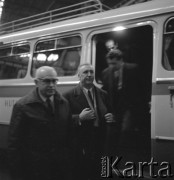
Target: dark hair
(116, 53)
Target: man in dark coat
(121, 82)
(90, 113)
(39, 132)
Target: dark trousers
(87, 164)
(47, 168)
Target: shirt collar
(86, 90)
(44, 98)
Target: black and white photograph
(86, 89)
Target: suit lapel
(57, 106)
(80, 97)
(101, 108)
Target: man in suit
(90, 113)
(121, 83)
(39, 132)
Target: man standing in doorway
(120, 81)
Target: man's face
(110, 45)
(47, 87)
(47, 83)
(112, 61)
(86, 75)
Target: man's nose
(89, 73)
(52, 83)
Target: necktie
(49, 106)
(96, 121)
(90, 97)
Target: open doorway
(136, 44)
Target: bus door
(163, 99)
(136, 43)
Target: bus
(144, 32)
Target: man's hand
(87, 114)
(109, 118)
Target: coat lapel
(80, 97)
(101, 107)
(58, 102)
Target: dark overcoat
(84, 131)
(36, 137)
(90, 142)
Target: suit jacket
(129, 93)
(84, 133)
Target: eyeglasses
(48, 81)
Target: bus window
(5, 51)
(64, 57)
(70, 41)
(169, 27)
(14, 61)
(168, 45)
(45, 45)
(21, 49)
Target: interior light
(119, 28)
(1, 3)
(53, 57)
(24, 55)
(41, 57)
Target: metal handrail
(128, 2)
(64, 13)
